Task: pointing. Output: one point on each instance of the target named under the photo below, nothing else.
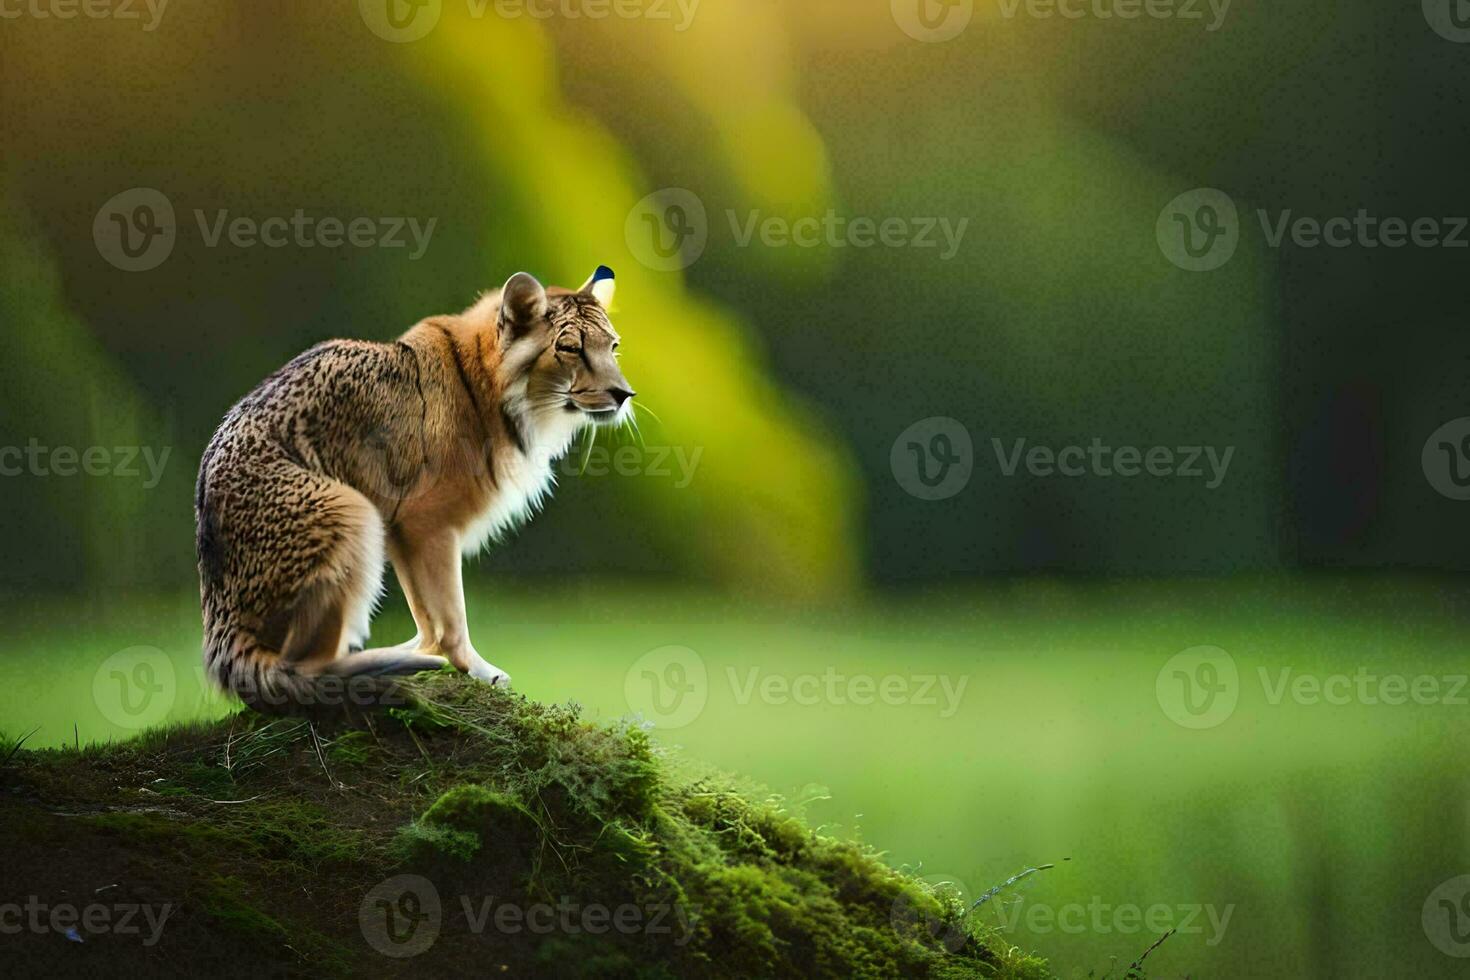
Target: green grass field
(976, 734)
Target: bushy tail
(352, 684)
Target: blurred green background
(783, 377)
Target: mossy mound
(474, 831)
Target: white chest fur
(524, 478)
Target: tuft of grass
(10, 746)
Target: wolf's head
(560, 349)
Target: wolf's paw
(482, 670)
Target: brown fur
(414, 451)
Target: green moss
(351, 749)
(752, 890)
(303, 833)
(157, 829)
(460, 820)
(283, 827)
(420, 843)
(225, 903)
(222, 903)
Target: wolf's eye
(567, 347)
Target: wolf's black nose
(620, 395)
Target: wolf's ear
(522, 303)
(602, 286)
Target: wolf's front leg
(428, 568)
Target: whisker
(639, 406)
(587, 450)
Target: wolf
(416, 452)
